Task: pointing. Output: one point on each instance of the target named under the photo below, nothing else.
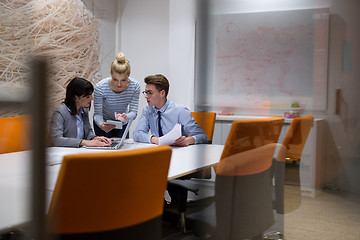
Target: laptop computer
(116, 144)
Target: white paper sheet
(170, 137)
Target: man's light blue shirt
(171, 113)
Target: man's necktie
(159, 125)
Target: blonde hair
(120, 64)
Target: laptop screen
(118, 144)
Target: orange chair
(246, 134)
(243, 199)
(110, 195)
(14, 134)
(206, 120)
(294, 143)
(296, 136)
(290, 153)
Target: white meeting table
(15, 174)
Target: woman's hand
(96, 142)
(120, 116)
(103, 139)
(107, 127)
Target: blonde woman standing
(115, 98)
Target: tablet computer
(118, 124)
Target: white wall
(105, 12)
(181, 51)
(144, 39)
(233, 6)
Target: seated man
(169, 114)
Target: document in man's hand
(170, 137)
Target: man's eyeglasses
(149, 92)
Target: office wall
(342, 160)
(105, 13)
(144, 38)
(341, 141)
(181, 51)
(158, 37)
(138, 28)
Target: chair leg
(179, 199)
(182, 201)
(182, 223)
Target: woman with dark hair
(69, 126)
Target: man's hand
(184, 141)
(107, 127)
(154, 140)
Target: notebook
(116, 144)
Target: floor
(330, 214)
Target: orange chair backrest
(14, 134)
(250, 134)
(105, 191)
(248, 162)
(296, 137)
(206, 120)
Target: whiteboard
(269, 58)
